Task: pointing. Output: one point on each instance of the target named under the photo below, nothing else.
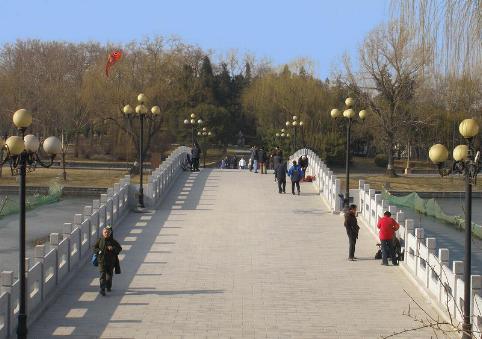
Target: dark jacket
(303, 162)
(262, 156)
(280, 171)
(351, 225)
(106, 258)
(195, 152)
(276, 161)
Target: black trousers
(282, 185)
(351, 249)
(195, 164)
(106, 278)
(293, 183)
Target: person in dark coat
(195, 155)
(277, 160)
(262, 158)
(303, 162)
(280, 175)
(352, 228)
(107, 250)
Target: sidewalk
(227, 256)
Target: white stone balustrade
(58, 261)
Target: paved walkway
(227, 256)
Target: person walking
(280, 175)
(262, 160)
(295, 173)
(242, 163)
(387, 226)
(277, 160)
(195, 155)
(352, 228)
(107, 250)
(254, 154)
(303, 161)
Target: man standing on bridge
(352, 228)
(388, 226)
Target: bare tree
(391, 68)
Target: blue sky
(280, 30)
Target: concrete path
(226, 256)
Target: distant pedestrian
(107, 250)
(262, 158)
(296, 173)
(277, 159)
(242, 163)
(195, 155)
(254, 155)
(352, 228)
(388, 226)
(303, 161)
(280, 176)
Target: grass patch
(412, 184)
(75, 177)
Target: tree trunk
(390, 167)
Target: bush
(381, 160)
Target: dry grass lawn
(75, 177)
(411, 184)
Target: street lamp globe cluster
(205, 133)
(294, 123)
(466, 161)
(349, 118)
(22, 153)
(192, 122)
(141, 112)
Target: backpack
(295, 174)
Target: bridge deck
(227, 256)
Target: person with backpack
(352, 228)
(388, 226)
(296, 174)
(107, 250)
(280, 175)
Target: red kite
(111, 60)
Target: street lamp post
(294, 123)
(349, 114)
(22, 154)
(192, 121)
(466, 161)
(141, 112)
(283, 135)
(205, 134)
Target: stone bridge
(220, 254)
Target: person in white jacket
(242, 163)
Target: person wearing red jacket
(387, 226)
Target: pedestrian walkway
(226, 256)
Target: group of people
(390, 245)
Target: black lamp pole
(346, 201)
(22, 312)
(469, 167)
(141, 161)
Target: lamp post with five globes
(466, 161)
(349, 114)
(192, 121)
(141, 112)
(22, 154)
(294, 123)
(205, 133)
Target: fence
(428, 268)
(55, 264)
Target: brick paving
(226, 256)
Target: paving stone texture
(226, 256)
